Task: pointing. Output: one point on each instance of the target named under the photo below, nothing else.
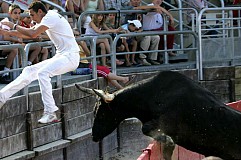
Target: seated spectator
(113, 23)
(102, 71)
(79, 6)
(153, 21)
(96, 27)
(14, 13)
(131, 26)
(146, 42)
(43, 55)
(74, 6)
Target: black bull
(173, 109)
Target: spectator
(153, 21)
(132, 16)
(96, 27)
(79, 6)
(43, 55)
(113, 23)
(102, 71)
(14, 14)
(131, 26)
(65, 60)
(91, 5)
(196, 4)
(147, 42)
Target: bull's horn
(84, 89)
(105, 96)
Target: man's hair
(13, 7)
(36, 5)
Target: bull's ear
(105, 96)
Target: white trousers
(43, 71)
(150, 43)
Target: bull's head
(105, 120)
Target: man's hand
(9, 24)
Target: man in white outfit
(66, 58)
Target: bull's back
(201, 121)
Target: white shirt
(152, 20)
(60, 32)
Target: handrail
(149, 33)
(93, 52)
(199, 20)
(22, 54)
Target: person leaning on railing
(153, 21)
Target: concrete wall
(21, 137)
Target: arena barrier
(153, 151)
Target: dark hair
(13, 7)
(36, 5)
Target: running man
(65, 60)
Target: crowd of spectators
(96, 24)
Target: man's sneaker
(48, 118)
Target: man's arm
(157, 9)
(29, 32)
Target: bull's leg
(167, 151)
(152, 129)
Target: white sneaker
(48, 118)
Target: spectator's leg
(34, 52)
(45, 53)
(10, 58)
(170, 38)
(134, 48)
(102, 51)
